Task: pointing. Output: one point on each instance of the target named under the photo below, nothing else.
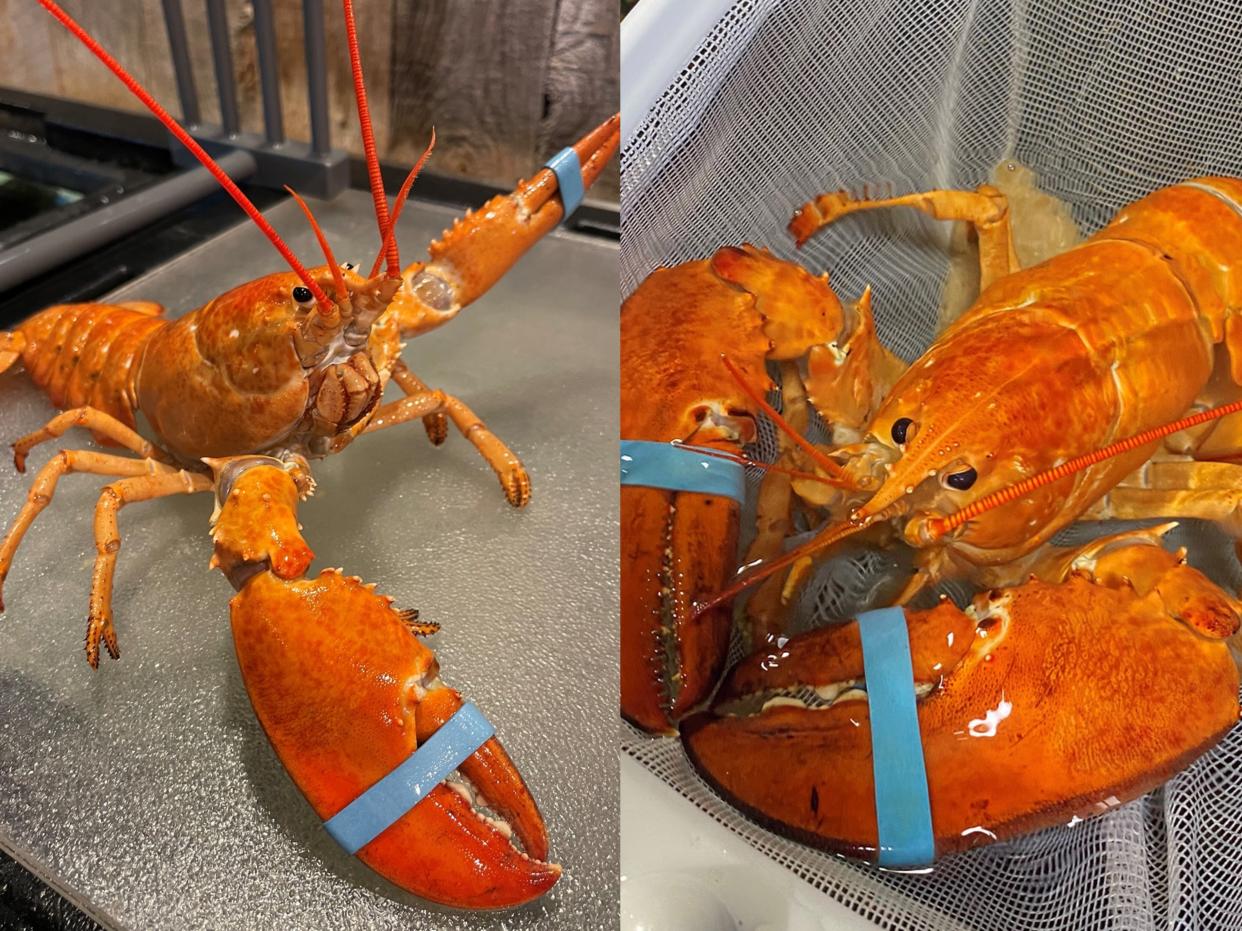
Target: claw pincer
(1031, 712)
(678, 540)
(347, 694)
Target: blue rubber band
(568, 171)
(678, 468)
(372, 812)
(902, 806)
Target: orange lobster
(976, 456)
(240, 394)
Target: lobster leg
(428, 403)
(108, 544)
(986, 208)
(101, 424)
(478, 250)
(773, 518)
(346, 692)
(435, 424)
(44, 487)
(1181, 488)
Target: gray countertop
(146, 791)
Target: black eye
(302, 295)
(961, 480)
(900, 429)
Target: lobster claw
(478, 249)
(1030, 710)
(346, 692)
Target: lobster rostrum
(241, 394)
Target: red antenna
(939, 526)
(823, 540)
(368, 146)
(195, 149)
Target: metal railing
(267, 159)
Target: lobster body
(1112, 337)
(249, 372)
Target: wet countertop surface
(146, 792)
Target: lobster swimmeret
(241, 393)
(1125, 332)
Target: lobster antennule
(337, 277)
(937, 527)
(368, 144)
(816, 455)
(399, 203)
(188, 141)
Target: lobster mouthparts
(346, 692)
(1038, 705)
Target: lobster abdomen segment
(1197, 225)
(88, 354)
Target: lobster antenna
(400, 202)
(820, 459)
(368, 145)
(195, 149)
(939, 526)
(323, 244)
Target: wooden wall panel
(505, 82)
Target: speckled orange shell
(1095, 344)
(86, 354)
(677, 545)
(226, 379)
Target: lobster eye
(303, 295)
(961, 480)
(900, 428)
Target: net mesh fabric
(1105, 101)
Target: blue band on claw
(902, 807)
(372, 812)
(674, 467)
(568, 171)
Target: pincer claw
(346, 694)
(1027, 711)
(477, 250)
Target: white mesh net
(1106, 101)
